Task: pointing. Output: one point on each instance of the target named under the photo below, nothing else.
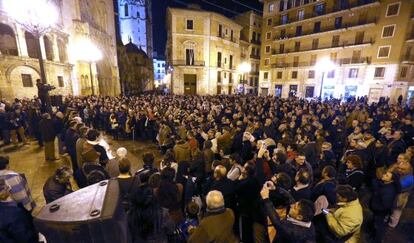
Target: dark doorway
(190, 84)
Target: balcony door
(189, 57)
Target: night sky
(230, 8)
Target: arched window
(48, 48)
(62, 50)
(126, 10)
(8, 44)
(32, 45)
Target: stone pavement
(30, 161)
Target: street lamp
(244, 68)
(35, 16)
(324, 65)
(86, 51)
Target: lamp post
(88, 52)
(36, 17)
(324, 65)
(244, 68)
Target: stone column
(42, 48)
(21, 43)
(55, 48)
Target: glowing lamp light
(245, 67)
(36, 16)
(325, 65)
(86, 51)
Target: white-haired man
(217, 225)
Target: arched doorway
(8, 45)
(32, 45)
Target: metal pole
(320, 94)
(41, 63)
(90, 69)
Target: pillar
(21, 43)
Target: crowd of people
(234, 168)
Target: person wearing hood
(182, 151)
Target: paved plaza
(30, 161)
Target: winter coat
(383, 196)
(347, 219)
(182, 152)
(215, 227)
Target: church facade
(78, 20)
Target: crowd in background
(234, 168)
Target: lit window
(271, 7)
(301, 14)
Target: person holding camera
(298, 226)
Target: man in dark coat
(58, 185)
(298, 226)
(48, 132)
(396, 147)
(71, 137)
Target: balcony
(348, 61)
(188, 63)
(327, 30)
(339, 62)
(255, 41)
(345, 44)
(408, 59)
(336, 10)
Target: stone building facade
(250, 52)
(134, 20)
(368, 41)
(203, 51)
(135, 68)
(78, 20)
